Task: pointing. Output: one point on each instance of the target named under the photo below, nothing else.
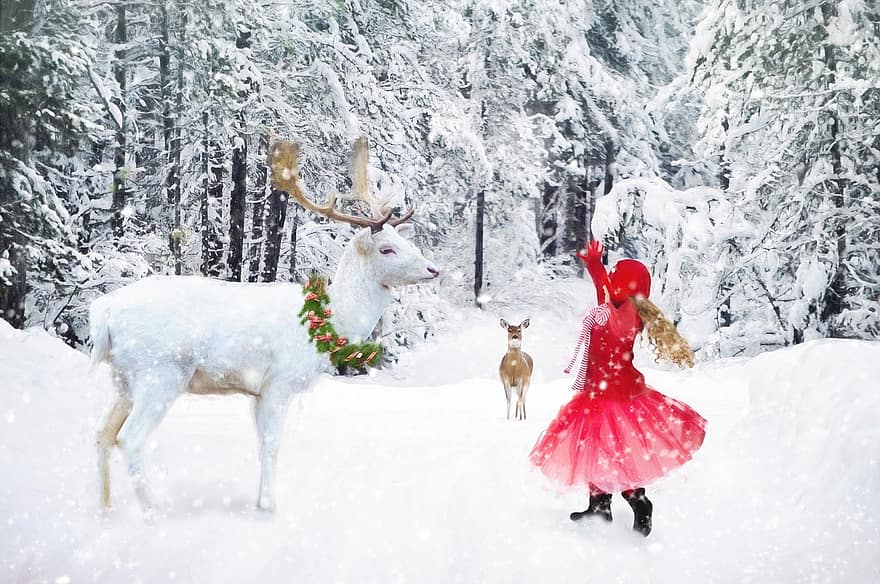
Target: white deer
(164, 336)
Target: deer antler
(402, 219)
(360, 181)
(283, 159)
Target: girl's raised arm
(593, 261)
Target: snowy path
(423, 480)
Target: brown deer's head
(514, 333)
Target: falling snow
(416, 466)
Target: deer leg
(269, 412)
(507, 395)
(152, 396)
(106, 439)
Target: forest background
(732, 145)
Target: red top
(611, 373)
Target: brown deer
(516, 368)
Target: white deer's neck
(356, 298)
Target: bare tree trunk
(275, 216)
(14, 142)
(580, 208)
(255, 247)
(575, 218)
(293, 225)
(724, 315)
(609, 166)
(215, 194)
(7, 16)
(16, 15)
(587, 188)
(12, 298)
(723, 166)
(478, 252)
(590, 185)
(212, 198)
(258, 210)
(120, 191)
(236, 207)
(177, 234)
(239, 181)
(205, 203)
(165, 93)
(725, 318)
(549, 225)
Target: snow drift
(396, 478)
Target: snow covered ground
(414, 475)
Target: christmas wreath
(316, 313)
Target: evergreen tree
(792, 100)
(43, 117)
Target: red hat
(628, 278)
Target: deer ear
(503, 323)
(363, 241)
(405, 230)
(525, 323)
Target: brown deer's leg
(107, 439)
(520, 402)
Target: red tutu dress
(617, 433)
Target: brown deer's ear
(525, 323)
(504, 324)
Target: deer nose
(433, 271)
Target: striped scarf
(598, 315)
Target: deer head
(390, 258)
(514, 333)
(381, 249)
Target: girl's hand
(594, 252)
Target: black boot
(642, 510)
(600, 506)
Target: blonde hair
(662, 334)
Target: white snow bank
(799, 476)
(423, 480)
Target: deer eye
(386, 250)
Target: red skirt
(618, 444)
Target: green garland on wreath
(316, 313)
